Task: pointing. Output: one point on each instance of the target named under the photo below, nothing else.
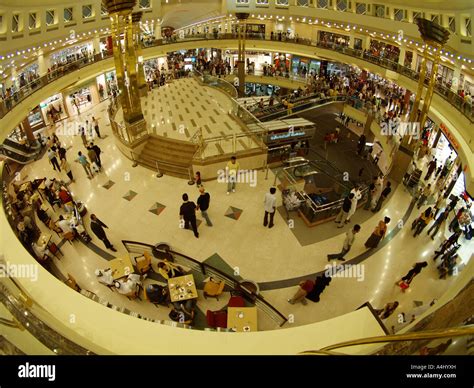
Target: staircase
(174, 157)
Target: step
(169, 150)
(168, 156)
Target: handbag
(403, 285)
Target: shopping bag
(403, 285)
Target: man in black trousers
(187, 213)
(97, 227)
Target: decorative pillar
(96, 44)
(456, 79)
(142, 86)
(401, 58)
(241, 29)
(436, 36)
(125, 59)
(43, 63)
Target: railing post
(135, 163)
(191, 177)
(159, 174)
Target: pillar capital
(123, 7)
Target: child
(197, 178)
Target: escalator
(20, 153)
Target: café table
(242, 319)
(44, 240)
(121, 267)
(182, 288)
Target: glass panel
(399, 15)
(67, 14)
(303, 3)
(15, 23)
(341, 5)
(281, 2)
(379, 10)
(144, 4)
(86, 11)
(452, 24)
(32, 20)
(361, 8)
(103, 10)
(323, 4)
(468, 27)
(50, 17)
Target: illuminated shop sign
(286, 135)
(449, 136)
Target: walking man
(82, 133)
(370, 194)
(187, 213)
(438, 223)
(95, 122)
(341, 218)
(383, 196)
(97, 151)
(270, 207)
(203, 204)
(53, 160)
(348, 242)
(85, 164)
(97, 226)
(232, 171)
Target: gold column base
(143, 90)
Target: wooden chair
(69, 236)
(54, 249)
(143, 263)
(216, 318)
(71, 282)
(213, 289)
(52, 225)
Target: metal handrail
(418, 336)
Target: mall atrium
(240, 177)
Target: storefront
(82, 99)
(384, 50)
(52, 109)
(282, 61)
(72, 54)
(303, 66)
(330, 39)
(444, 76)
(29, 74)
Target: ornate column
(241, 28)
(142, 86)
(125, 59)
(436, 36)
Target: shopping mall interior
(236, 177)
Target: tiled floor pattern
(206, 108)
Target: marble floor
(182, 107)
(272, 257)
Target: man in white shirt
(349, 240)
(65, 225)
(128, 287)
(357, 195)
(270, 207)
(105, 276)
